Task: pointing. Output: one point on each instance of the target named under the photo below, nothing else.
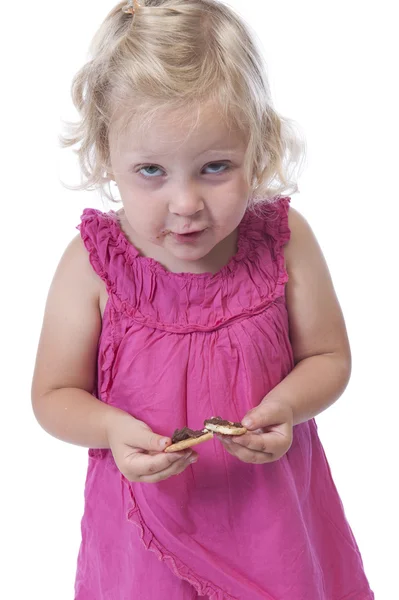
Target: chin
(190, 256)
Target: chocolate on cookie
(186, 437)
(223, 427)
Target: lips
(187, 237)
(168, 231)
(186, 232)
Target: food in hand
(223, 427)
(185, 438)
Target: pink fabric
(176, 349)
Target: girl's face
(183, 188)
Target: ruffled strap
(276, 227)
(276, 224)
(266, 234)
(105, 244)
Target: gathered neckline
(143, 289)
(133, 253)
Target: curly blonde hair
(179, 54)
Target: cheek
(233, 202)
(145, 218)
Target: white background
(332, 68)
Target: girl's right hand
(138, 451)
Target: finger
(174, 469)
(249, 456)
(253, 453)
(148, 440)
(271, 442)
(269, 413)
(140, 464)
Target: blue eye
(220, 168)
(150, 171)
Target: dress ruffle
(143, 289)
(181, 570)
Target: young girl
(204, 295)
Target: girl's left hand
(269, 436)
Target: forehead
(170, 130)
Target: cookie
(223, 427)
(185, 438)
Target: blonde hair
(178, 54)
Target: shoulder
(76, 256)
(298, 225)
(75, 271)
(302, 244)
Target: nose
(186, 200)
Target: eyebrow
(152, 156)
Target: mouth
(187, 232)
(190, 236)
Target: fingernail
(193, 459)
(163, 443)
(247, 422)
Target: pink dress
(176, 349)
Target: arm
(65, 374)
(321, 353)
(317, 329)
